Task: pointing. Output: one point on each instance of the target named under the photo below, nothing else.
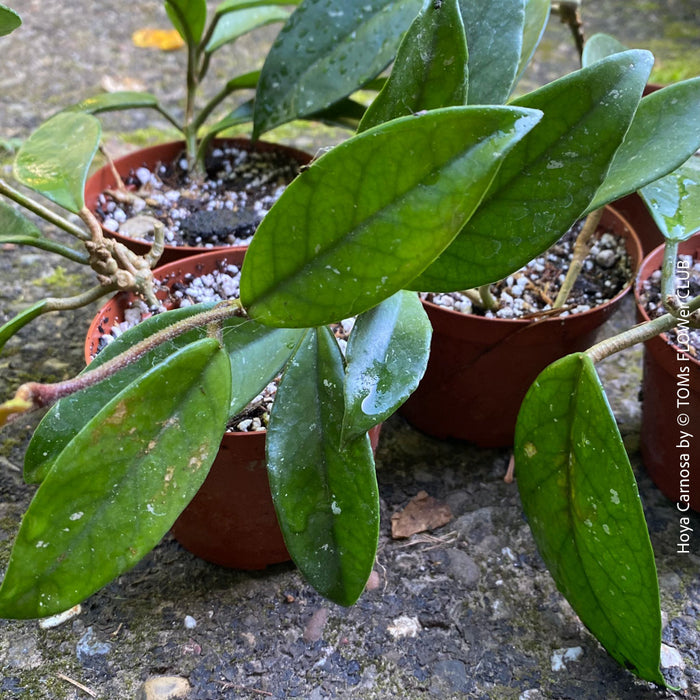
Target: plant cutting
(437, 191)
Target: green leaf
(235, 24)
(372, 213)
(242, 114)
(600, 46)
(346, 113)
(9, 20)
(257, 355)
(494, 31)
(536, 16)
(232, 5)
(386, 357)
(325, 493)
(8, 329)
(327, 50)
(580, 497)
(56, 158)
(14, 226)
(249, 374)
(188, 17)
(664, 133)
(674, 201)
(119, 485)
(430, 70)
(550, 177)
(110, 101)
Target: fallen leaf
(422, 513)
(163, 39)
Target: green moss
(60, 279)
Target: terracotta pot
(480, 368)
(103, 179)
(231, 521)
(666, 368)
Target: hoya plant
(443, 187)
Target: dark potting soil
(224, 209)
(219, 285)
(688, 287)
(531, 291)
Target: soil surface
(465, 611)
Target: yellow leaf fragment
(162, 39)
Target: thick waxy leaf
(372, 213)
(119, 485)
(257, 354)
(55, 159)
(600, 46)
(386, 357)
(188, 17)
(430, 70)
(307, 69)
(110, 101)
(234, 24)
(325, 492)
(664, 133)
(494, 31)
(8, 329)
(550, 177)
(232, 5)
(580, 497)
(674, 201)
(14, 226)
(9, 20)
(249, 374)
(536, 16)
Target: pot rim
(650, 264)
(152, 154)
(634, 250)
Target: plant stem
(487, 300)
(34, 395)
(581, 248)
(570, 14)
(669, 298)
(42, 211)
(638, 334)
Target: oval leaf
(664, 133)
(430, 70)
(325, 492)
(307, 69)
(235, 24)
(386, 357)
(600, 46)
(494, 31)
(14, 225)
(580, 497)
(110, 101)
(55, 159)
(674, 201)
(188, 17)
(550, 176)
(536, 16)
(119, 485)
(371, 214)
(9, 20)
(256, 354)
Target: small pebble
(190, 622)
(164, 688)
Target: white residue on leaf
(335, 508)
(614, 497)
(606, 529)
(77, 516)
(152, 510)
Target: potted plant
(225, 186)
(431, 194)
(471, 341)
(238, 532)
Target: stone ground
(468, 611)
